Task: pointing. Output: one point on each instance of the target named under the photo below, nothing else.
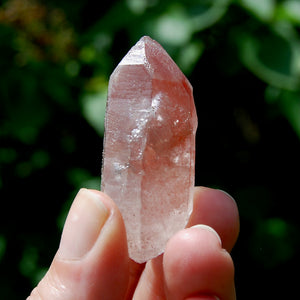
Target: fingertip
(218, 210)
(106, 200)
(93, 256)
(210, 229)
(83, 225)
(186, 245)
(196, 264)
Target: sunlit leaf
(189, 55)
(177, 24)
(174, 27)
(289, 11)
(137, 6)
(262, 9)
(208, 12)
(273, 57)
(94, 105)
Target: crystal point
(149, 147)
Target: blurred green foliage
(243, 59)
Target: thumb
(92, 258)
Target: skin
(92, 261)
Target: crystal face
(149, 147)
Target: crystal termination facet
(149, 147)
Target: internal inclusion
(148, 158)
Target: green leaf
(273, 57)
(290, 104)
(94, 105)
(189, 55)
(180, 20)
(262, 9)
(137, 6)
(289, 11)
(174, 27)
(208, 13)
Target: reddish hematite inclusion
(149, 147)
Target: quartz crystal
(149, 147)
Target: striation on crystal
(149, 147)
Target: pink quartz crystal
(149, 147)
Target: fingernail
(227, 194)
(206, 227)
(85, 220)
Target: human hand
(92, 260)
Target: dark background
(243, 60)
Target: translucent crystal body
(149, 147)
